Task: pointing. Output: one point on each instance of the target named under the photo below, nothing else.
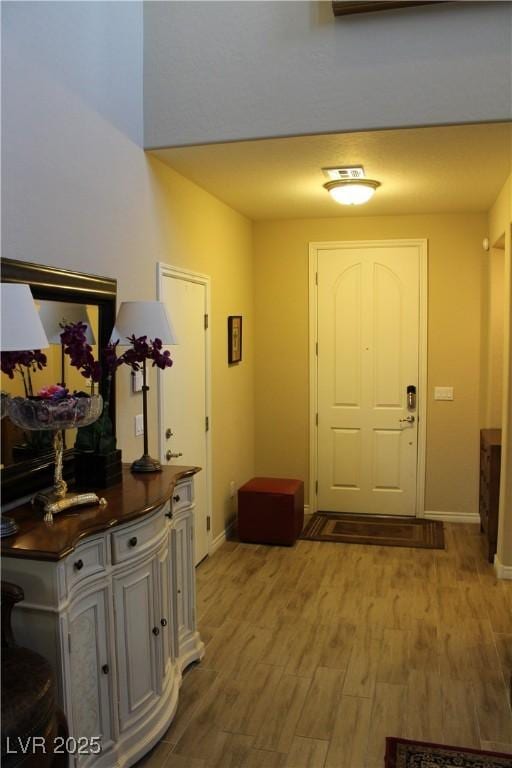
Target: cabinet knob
(176, 498)
(105, 669)
(133, 541)
(179, 591)
(155, 631)
(79, 565)
(163, 622)
(169, 515)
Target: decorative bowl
(34, 413)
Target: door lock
(170, 455)
(168, 433)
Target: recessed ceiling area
(422, 170)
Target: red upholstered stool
(270, 510)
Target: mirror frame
(51, 283)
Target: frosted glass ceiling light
(352, 191)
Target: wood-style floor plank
(318, 714)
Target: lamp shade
(21, 326)
(143, 318)
(55, 314)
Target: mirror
(27, 459)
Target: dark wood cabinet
(490, 460)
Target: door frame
(167, 270)
(314, 249)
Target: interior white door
(184, 393)
(368, 339)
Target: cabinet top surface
(134, 497)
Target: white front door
(368, 319)
(183, 401)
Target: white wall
(78, 192)
(220, 71)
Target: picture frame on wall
(234, 339)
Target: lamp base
(146, 464)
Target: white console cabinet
(116, 617)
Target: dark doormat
(401, 753)
(373, 529)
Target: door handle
(170, 455)
(409, 419)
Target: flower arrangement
(99, 437)
(23, 363)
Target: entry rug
(372, 529)
(401, 753)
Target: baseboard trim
(453, 517)
(502, 571)
(219, 540)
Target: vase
(101, 470)
(36, 413)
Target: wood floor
(316, 653)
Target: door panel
(368, 338)
(184, 392)
(91, 668)
(134, 601)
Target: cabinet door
(137, 638)
(90, 668)
(165, 616)
(185, 574)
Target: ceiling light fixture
(352, 191)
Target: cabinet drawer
(88, 559)
(138, 538)
(183, 495)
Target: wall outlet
(139, 425)
(443, 393)
(232, 489)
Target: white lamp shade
(21, 326)
(143, 318)
(55, 314)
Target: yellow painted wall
(199, 233)
(282, 366)
(500, 225)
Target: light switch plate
(136, 381)
(443, 393)
(139, 425)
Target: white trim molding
(219, 540)
(502, 571)
(453, 517)
(167, 270)
(314, 249)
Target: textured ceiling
(422, 170)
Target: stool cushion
(28, 696)
(271, 510)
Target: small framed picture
(234, 338)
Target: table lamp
(143, 318)
(20, 330)
(55, 315)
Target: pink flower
(54, 391)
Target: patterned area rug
(370, 529)
(401, 753)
